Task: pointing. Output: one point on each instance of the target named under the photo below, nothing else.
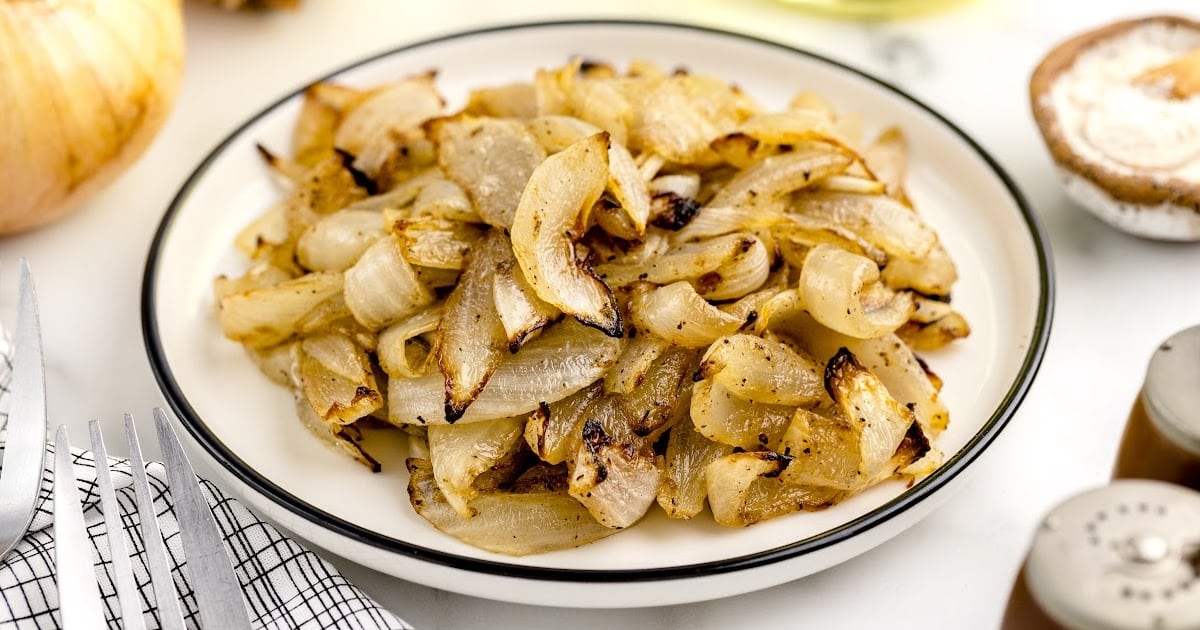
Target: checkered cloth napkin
(286, 586)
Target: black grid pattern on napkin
(286, 586)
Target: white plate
(248, 427)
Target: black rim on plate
(943, 475)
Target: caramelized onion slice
(763, 371)
(553, 430)
(470, 337)
(521, 311)
(561, 361)
(881, 220)
(843, 291)
(394, 349)
(533, 517)
(677, 314)
(491, 158)
(615, 482)
(636, 359)
(551, 216)
(436, 243)
(685, 487)
(722, 417)
(382, 287)
(781, 174)
(336, 378)
(729, 479)
(460, 453)
(264, 317)
(336, 240)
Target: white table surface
(1117, 296)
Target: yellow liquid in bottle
(874, 8)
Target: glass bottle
(1162, 437)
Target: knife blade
(218, 592)
(25, 450)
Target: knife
(25, 451)
(218, 592)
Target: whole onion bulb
(84, 87)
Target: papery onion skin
(77, 119)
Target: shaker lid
(1122, 557)
(1172, 389)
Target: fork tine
(78, 594)
(127, 593)
(170, 617)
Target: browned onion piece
(551, 216)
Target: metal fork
(218, 593)
(25, 452)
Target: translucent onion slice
(444, 199)
(535, 516)
(345, 438)
(767, 134)
(713, 221)
(852, 184)
(333, 315)
(631, 198)
(887, 157)
(394, 351)
(616, 483)
(337, 379)
(269, 228)
(316, 125)
(843, 291)
(336, 240)
(781, 174)
(881, 220)
(560, 362)
(551, 216)
(260, 275)
(686, 185)
(677, 314)
(934, 274)
(657, 401)
(553, 431)
(636, 359)
(602, 103)
(515, 100)
(402, 105)
(382, 287)
(556, 132)
(491, 158)
(434, 242)
(721, 268)
(933, 324)
(461, 453)
(688, 455)
(278, 363)
(521, 311)
(470, 337)
(768, 497)
(265, 317)
(722, 417)
(888, 357)
(763, 371)
(857, 446)
(682, 114)
(729, 479)
(808, 232)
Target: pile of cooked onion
(598, 291)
